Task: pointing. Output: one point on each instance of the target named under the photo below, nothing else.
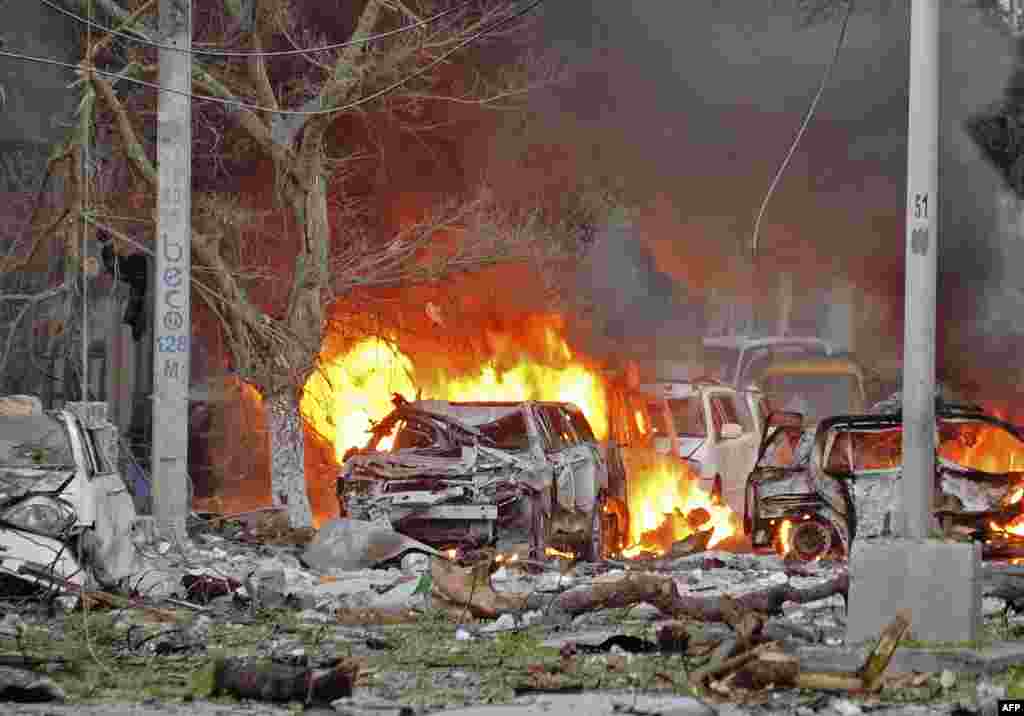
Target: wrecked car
(735, 360)
(65, 513)
(716, 429)
(467, 475)
(822, 489)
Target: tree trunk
(287, 458)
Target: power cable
(498, 24)
(276, 53)
(808, 115)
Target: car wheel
(594, 551)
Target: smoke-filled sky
(692, 105)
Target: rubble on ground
(520, 629)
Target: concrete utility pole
(938, 581)
(172, 325)
(921, 268)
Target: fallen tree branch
(881, 655)
(457, 585)
(729, 665)
(92, 600)
(781, 669)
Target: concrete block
(939, 583)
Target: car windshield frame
(490, 429)
(889, 426)
(801, 458)
(817, 384)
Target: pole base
(939, 583)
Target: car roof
(426, 404)
(678, 389)
(813, 366)
(762, 341)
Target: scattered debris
(27, 687)
(264, 680)
(766, 666)
(203, 588)
(344, 545)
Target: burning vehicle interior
(813, 492)
(816, 388)
(468, 475)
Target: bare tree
(400, 59)
(28, 292)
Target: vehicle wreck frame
(807, 490)
(452, 485)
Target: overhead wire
(808, 115)
(121, 76)
(264, 53)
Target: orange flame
(991, 449)
(663, 505)
(640, 423)
(785, 544)
(552, 552)
(353, 390)
(983, 447)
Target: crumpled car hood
(15, 482)
(413, 463)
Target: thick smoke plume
(689, 107)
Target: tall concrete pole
(172, 325)
(921, 269)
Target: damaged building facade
(44, 354)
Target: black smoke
(691, 106)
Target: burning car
(465, 475)
(716, 429)
(815, 491)
(65, 512)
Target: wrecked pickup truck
(468, 475)
(820, 489)
(65, 513)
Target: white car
(65, 513)
(715, 429)
(736, 359)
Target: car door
(586, 437)
(588, 472)
(735, 455)
(631, 423)
(564, 455)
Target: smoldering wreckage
(464, 520)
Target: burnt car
(466, 475)
(842, 480)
